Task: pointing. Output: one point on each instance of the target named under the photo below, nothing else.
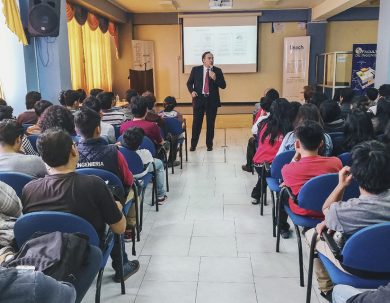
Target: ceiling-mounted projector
(220, 4)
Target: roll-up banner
(296, 56)
(363, 67)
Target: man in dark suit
(203, 84)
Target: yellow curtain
(90, 57)
(76, 52)
(97, 54)
(12, 16)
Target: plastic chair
(51, 221)
(346, 159)
(175, 128)
(275, 180)
(337, 140)
(112, 179)
(364, 257)
(33, 141)
(136, 166)
(312, 196)
(148, 144)
(16, 180)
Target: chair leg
(137, 218)
(154, 189)
(99, 285)
(133, 252)
(273, 214)
(181, 155)
(299, 242)
(310, 271)
(141, 215)
(119, 238)
(262, 193)
(278, 207)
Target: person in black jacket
(203, 84)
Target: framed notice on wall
(142, 70)
(296, 57)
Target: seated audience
(10, 209)
(151, 115)
(132, 139)
(95, 91)
(169, 109)
(151, 129)
(346, 96)
(6, 112)
(348, 294)
(308, 92)
(57, 116)
(270, 136)
(11, 134)
(371, 170)
(331, 115)
(29, 116)
(85, 196)
(372, 94)
(336, 95)
(82, 95)
(360, 102)
(39, 108)
(94, 150)
(358, 128)
(72, 100)
(306, 112)
(61, 98)
(318, 98)
(307, 164)
(110, 115)
(263, 113)
(130, 93)
(107, 131)
(382, 115)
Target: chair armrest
(290, 194)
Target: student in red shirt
(306, 165)
(270, 136)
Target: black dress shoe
(209, 148)
(192, 148)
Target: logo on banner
(360, 52)
(297, 47)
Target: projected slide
(232, 46)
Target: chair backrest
(133, 160)
(337, 140)
(50, 221)
(107, 176)
(279, 161)
(314, 192)
(33, 141)
(345, 158)
(148, 144)
(368, 249)
(174, 126)
(16, 180)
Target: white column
(383, 49)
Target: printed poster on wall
(296, 57)
(363, 67)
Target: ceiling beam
(330, 8)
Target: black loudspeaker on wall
(44, 18)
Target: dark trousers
(115, 254)
(203, 105)
(250, 151)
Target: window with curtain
(90, 50)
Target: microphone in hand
(212, 75)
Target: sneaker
(128, 235)
(256, 201)
(175, 163)
(129, 269)
(161, 200)
(285, 233)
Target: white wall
(12, 71)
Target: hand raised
(212, 75)
(345, 176)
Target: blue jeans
(160, 176)
(341, 293)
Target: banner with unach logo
(363, 67)
(296, 58)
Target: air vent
(220, 4)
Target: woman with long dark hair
(358, 128)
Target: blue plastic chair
(148, 144)
(346, 159)
(51, 221)
(276, 179)
(312, 196)
(337, 140)
(136, 166)
(16, 180)
(364, 257)
(33, 141)
(112, 179)
(175, 128)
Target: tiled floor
(209, 244)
